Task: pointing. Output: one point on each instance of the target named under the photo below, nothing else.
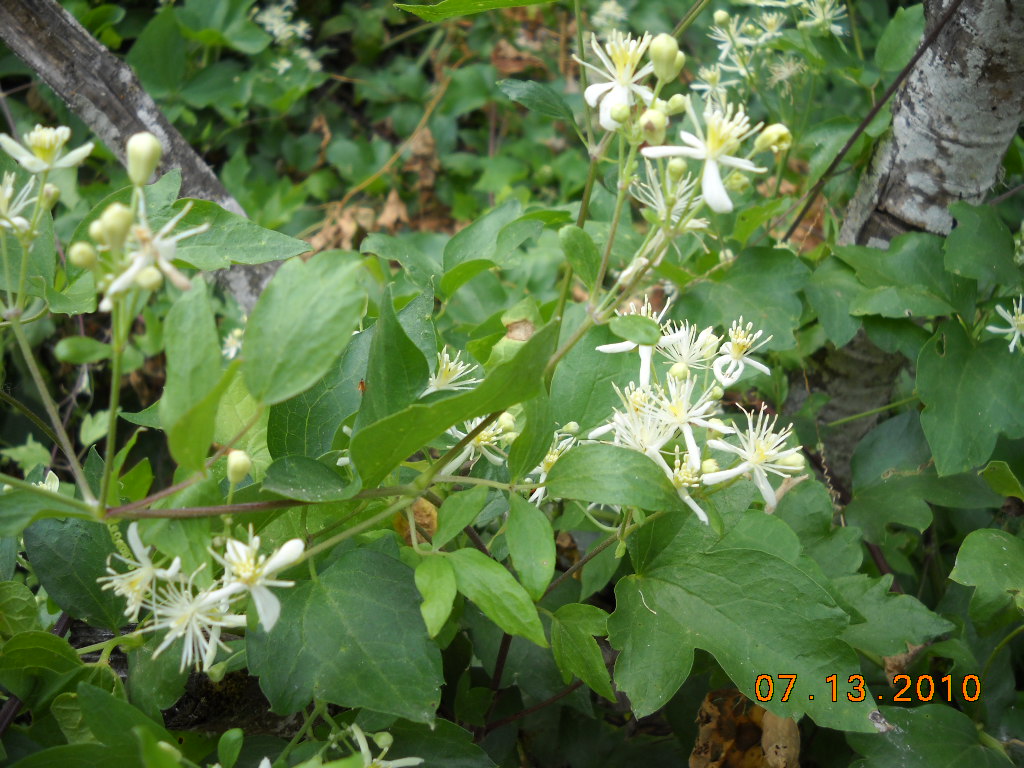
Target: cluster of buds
(125, 252)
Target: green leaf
(573, 628)
(992, 562)
(929, 736)
(442, 743)
(354, 638)
(158, 55)
(900, 39)
(421, 268)
(19, 509)
(539, 98)
(75, 756)
(893, 621)
(194, 374)
(458, 510)
(396, 371)
(378, 448)
(229, 747)
(69, 555)
(305, 479)
(611, 474)
(531, 543)
(581, 253)
(154, 684)
(112, 720)
(1002, 480)
(36, 666)
(904, 281)
(448, 9)
(18, 611)
(300, 325)
(435, 579)
(79, 350)
(223, 23)
(762, 286)
(636, 328)
(495, 592)
(972, 394)
(807, 509)
(238, 412)
(831, 291)
(981, 245)
(755, 612)
(534, 441)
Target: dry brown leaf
(734, 732)
(509, 60)
(897, 665)
(343, 228)
(394, 212)
(425, 515)
(423, 160)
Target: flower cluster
(288, 32)
(1015, 319)
(181, 609)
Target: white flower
(51, 483)
(684, 476)
(12, 205)
(762, 450)
(232, 343)
(724, 130)
(559, 445)
(1016, 321)
(482, 444)
(139, 583)
(646, 350)
(619, 57)
(688, 349)
(198, 617)
(449, 374)
(309, 59)
(152, 249)
(676, 407)
(281, 65)
(823, 16)
(673, 210)
(245, 569)
(45, 149)
(711, 83)
(634, 426)
(735, 353)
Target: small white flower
(735, 353)
(245, 569)
(711, 83)
(281, 65)
(689, 349)
(684, 476)
(45, 149)
(51, 483)
(823, 16)
(559, 445)
(309, 59)
(761, 450)
(646, 350)
(673, 205)
(12, 205)
(724, 130)
(198, 617)
(634, 426)
(676, 407)
(232, 343)
(449, 374)
(139, 583)
(483, 444)
(619, 57)
(1016, 321)
(152, 249)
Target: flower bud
(571, 428)
(664, 54)
(116, 220)
(507, 422)
(653, 124)
(708, 465)
(620, 113)
(81, 254)
(717, 392)
(239, 465)
(96, 231)
(383, 740)
(737, 182)
(144, 152)
(775, 137)
(721, 18)
(676, 169)
(795, 462)
(149, 278)
(675, 104)
(50, 196)
(679, 371)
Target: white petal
(594, 92)
(729, 376)
(25, 159)
(287, 554)
(619, 346)
(739, 162)
(767, 492)
(671, 151)
(713, 478)
(759, 366)
(713, 189)
(646, 354)
(74, 157)
(701, 515)
(267, 606)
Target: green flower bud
(653, 124)
(81, 254)
(675, 105)
(721, 18)
(144, 152)
(708, 465)
(239, 465)
(620, 113)
(96, 231)
(50, 196)
(737, 182)
(795, 462)
(679, 371)
(664, 54)
(507, 422)
(676, 169)
(571, 428)
(383, 740)
(775, 137)
(116, 220)
(149, 278)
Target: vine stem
(999, 647)
(530, 710)
(116, 323)
(873, 411)
(51, 411)
(348, 533)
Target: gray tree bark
(105, 93)
(953, 120)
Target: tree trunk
(104, 92)
(952, 122)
